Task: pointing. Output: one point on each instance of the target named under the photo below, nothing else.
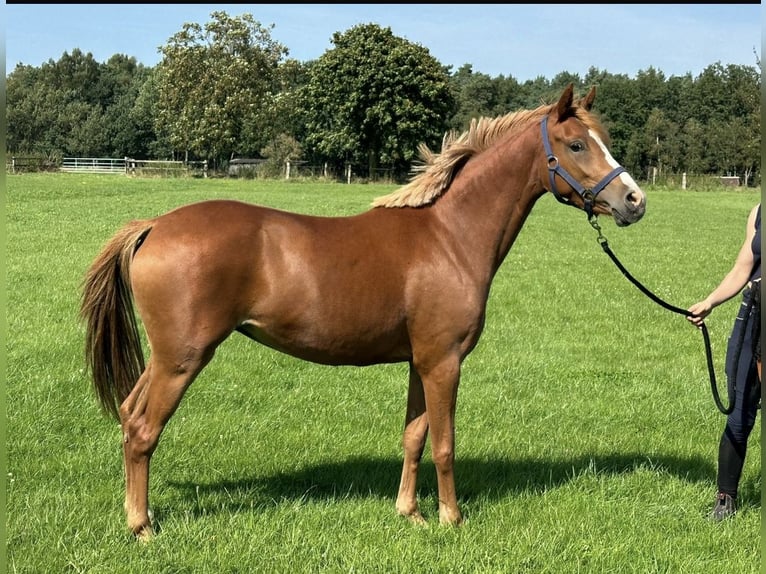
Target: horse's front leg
(440, 384)
(413, 442)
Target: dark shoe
(725, 506)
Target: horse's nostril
(633, 198)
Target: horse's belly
(332, 346)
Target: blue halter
(588, 195)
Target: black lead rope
(685, 312)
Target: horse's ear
(587, 101)
(564, 107)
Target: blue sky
(519, 40)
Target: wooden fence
(165, 168)
(24, 164)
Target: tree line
(227, 89)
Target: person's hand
(700, 310)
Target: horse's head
(580, 171)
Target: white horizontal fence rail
(131, 166)
(93, 165)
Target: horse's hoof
(419, 521)
(416, 518)
(451, 519)
(144, 534)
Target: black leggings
(740, 422)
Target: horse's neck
(491, 198)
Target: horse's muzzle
(632, 211)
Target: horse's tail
(113, 351)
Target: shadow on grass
(475, 478)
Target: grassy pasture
(586, 431)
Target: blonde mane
(434, 174)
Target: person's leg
(732, 447)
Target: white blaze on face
(624, 176)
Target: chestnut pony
(405, 281)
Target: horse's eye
(577, 146)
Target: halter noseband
(588, 195)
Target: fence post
(683, 180)
(287, 168)
(204, 169)
(348, 173)
(324, 170)
(13, 164)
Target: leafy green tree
(693, 147)
(726, 101)
(475, 95)
(510, 95)
(373, 97)
(282, 148)
(728, 147)
(478, 94)
(25, 97)
(651, 89)
(116, 78)
(215, 81)
(673, 102)
(127, 137)
(561, 80)
(744, 84)
(594, 77)
(618, 104)
(44, 117)
(285, 119)
(77, 74)
(120, 84)
(73, 106)
(83, 128)
(153, 136)
(661, 139)
(534, 92)
(709, 95)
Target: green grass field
(586, 430)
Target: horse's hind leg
(144, 414)
(136, 510)
(413, 441)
